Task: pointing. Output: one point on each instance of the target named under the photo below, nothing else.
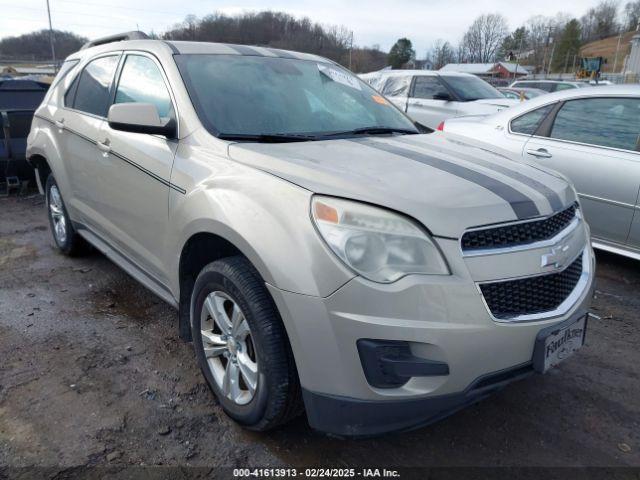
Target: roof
(183, 47)
(483, 68)
(513, 67)
(620, 90)
(473, 68)
(425, 73)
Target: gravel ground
(92, 373)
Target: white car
(548, 85)
(592, 135)
(430, 97)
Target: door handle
(59, 123)
(539, 153)
(104, 146)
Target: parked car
(592, 136)
(548, 85)
(521, 93)
(430, 97)
(317, 247)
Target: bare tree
(484, 37)
(600, 21)
(441, 53)
(632, 15)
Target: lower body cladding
(374, 358)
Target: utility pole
(350, 48)
(515, 74)
(615, 62)
(53, 50)
(553, 50)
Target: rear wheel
(242, 347)
(64, 235)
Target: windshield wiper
(371, 131)
(267, 137)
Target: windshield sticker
(379, 99)
(339, 76)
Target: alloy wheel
(229, 348)
(56, 210)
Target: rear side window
(564, 86)
(607, 122)
(529, 122)
(397, 86)
(428, 87)
(92, 92)
(64, 70)
(142, 82)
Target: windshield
(253, 96)
(471, 88)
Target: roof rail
(118, 37)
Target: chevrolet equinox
(324, 253)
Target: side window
(563, 86)
(528, 123)
(92, 95)
(64, 70)
(547, 87)
(428, 87)
(608, 122)
(142, 82)
(397, 86)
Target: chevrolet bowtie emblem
(557, 258)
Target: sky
(373, 22)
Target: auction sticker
(339, 76)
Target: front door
(424, 107)
(138, 169)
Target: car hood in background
(446, 183)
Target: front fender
(266, 218)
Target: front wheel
(242, 347)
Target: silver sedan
(591, 135)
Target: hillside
(607, 48)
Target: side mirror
(442, 96)
(139, 118)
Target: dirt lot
(92, 373)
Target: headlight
(378, 244)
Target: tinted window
(428, 87)
(528, 123)
(92, 95)
(511, 94)
(142, 82)
(609, 122)
(564, 86)
(469, 88)
(64, 70)
(397, 86)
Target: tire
(64, 235)
(231, 289)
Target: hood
(498, 102)
(443, 182)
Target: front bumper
(443, 320)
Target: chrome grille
(532, 295)
(518, 234)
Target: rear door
(594, 141)
(138, 168)
(424, 108)
(77, 126)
